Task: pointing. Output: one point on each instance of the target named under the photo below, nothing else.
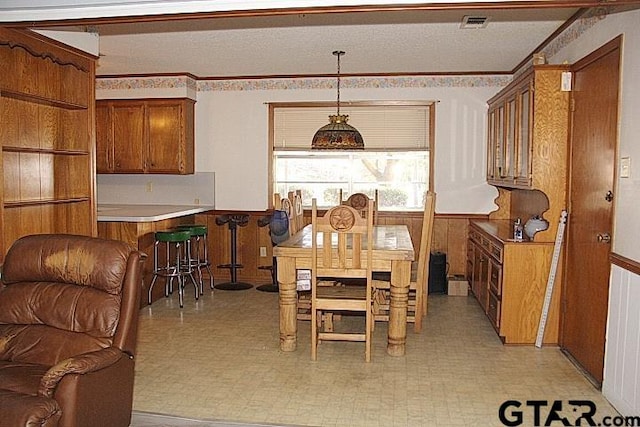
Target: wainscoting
(449, 236)
(621, 384)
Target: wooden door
(104, 138)
(592, 172)
(129, 137)
(165, 141)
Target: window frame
(311, 104)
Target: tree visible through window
(395, 161)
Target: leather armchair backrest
(63, 295)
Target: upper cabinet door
(523, 165)
(510, 140)
(165, 135)
(128, 137)
(104, 139)
(171, 136)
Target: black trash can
(438, 273)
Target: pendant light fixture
(337, 135)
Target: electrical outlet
(196, 202)
(263, 251)
(149, 186)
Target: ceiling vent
(474, 22)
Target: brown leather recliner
(68, 326)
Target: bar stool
(176, 240)
(233, 221)
(199, 249)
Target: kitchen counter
(146, 213)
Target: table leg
(288, 302)
(400, 277)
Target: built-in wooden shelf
(14, 149)
(22, 203)
(41, 100)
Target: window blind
(383, 127)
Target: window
(396, 161)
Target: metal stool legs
(178, 240)
(199, 248)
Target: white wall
(232, 136)
(232, 132)
(621, 384)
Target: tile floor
(219, 359)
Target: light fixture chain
(338, 53)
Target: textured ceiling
(375, 42)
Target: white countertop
(147, 213)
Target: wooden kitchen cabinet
(528, 147)
(145, 136)
(509, 281)
(527, 129)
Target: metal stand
(234, 221)
(273, 286)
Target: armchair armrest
(81, 364)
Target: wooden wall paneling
(47, 79)
(71, 218)
(11, 172)
(10, 120)
(49, 119)
(264, 240)
(219, 243)
(451, 238)
(440, 233)
(10, 227)
(72, 130)
(74, 87)
(457, 233)
(28, 125)
(48, 180)
(30, 175)
(246, 247)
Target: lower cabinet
(509, 280)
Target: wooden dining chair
(418, 290)
(297, 212)
(344, 233)
(360, 201)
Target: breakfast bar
(136, 225)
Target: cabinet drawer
(493, 310)
(495, 278)
(474, 235)
(496, 251)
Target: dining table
(392, 252)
